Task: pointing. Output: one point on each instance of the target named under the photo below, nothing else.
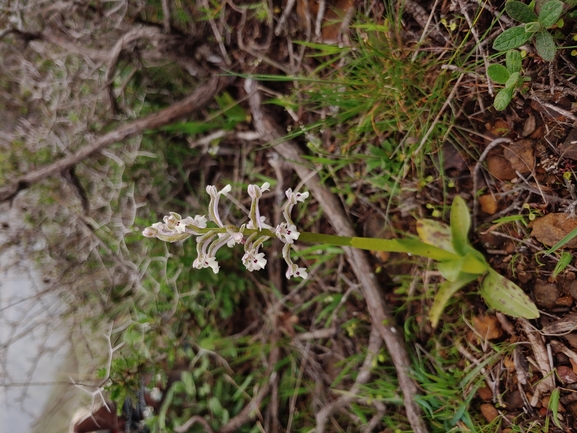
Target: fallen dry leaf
(553, 227)
(521, 156)
(485, 393)
(488, 326)
(488, 204)
(499, 167)
(569, 149)
(489, 412)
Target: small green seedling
(510, 76)
(534, 26)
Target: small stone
(564, 301)
(566, 374)
(546, 294)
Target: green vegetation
(393, 132)
(534, 26)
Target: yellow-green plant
(457, 261)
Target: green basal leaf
(450, 270)
(562, 263)
(460, 225)
(502, 99)
(550, 13)
(554, 406)
(511, 38)
(435, 233)
(505, 296)
(533, 27)
(513, 61)
(446, 290)
(512, 81)
(545, 45)
(520, 11)
(498, 73)
(418, 248)
(474, 263)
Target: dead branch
(375, 343)
(380, 313)
(194, 102)
(148, 32)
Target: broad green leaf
(475, 263)
(422, 249)
(450, 270)
(545, 45)
(533, 27)
(502, 99)
(520, 11)
(512, 81)
(498, 73)
(550, 13)
(514, 61)
(511, 38)
(435, 233)
(460, 225)
(505, 296)
(562, 263)
(446, 290)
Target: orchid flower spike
(210, 239)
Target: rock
(566, 374)
(546, 294)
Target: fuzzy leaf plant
(508, 75)
(458, 262)
(533, 26)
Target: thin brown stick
(380, 313)
(375, 343)
(134, 34)
(195, 101)
(253, 406)
(192, 421)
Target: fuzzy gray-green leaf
(513, 61)
(511, 38)
(550, 13)
(520, 11)
(545, 45)
(498, 73)
(502, 99)
(505, 296)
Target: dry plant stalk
(380, 313)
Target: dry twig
(195, 101)
(381, 316)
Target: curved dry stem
(380, 313)
(194, 102)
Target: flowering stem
(410, 246)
